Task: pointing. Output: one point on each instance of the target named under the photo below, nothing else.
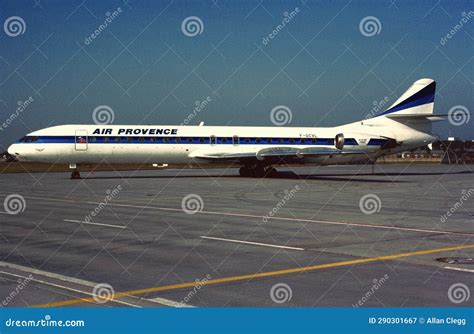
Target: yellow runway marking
(258, 275)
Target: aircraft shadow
(280, 175)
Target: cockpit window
(28, 139)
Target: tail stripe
(424, 96)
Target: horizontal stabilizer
(414, 117)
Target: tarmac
(311, 237)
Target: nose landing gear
(75, 175)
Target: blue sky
(148, 71)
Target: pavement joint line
(260, 217)
(460, 269)
(91, 223)
(252, 243)
(264, 274)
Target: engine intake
(339, 141)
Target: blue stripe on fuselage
(185, 140)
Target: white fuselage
(92, 144)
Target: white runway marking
(167, 302)
(65, 288)
(89, 223)
(269, 218)
(78, 281)
(460, 269)
(252, 243)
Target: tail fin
(416, 102)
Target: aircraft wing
(275, 152)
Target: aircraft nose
(13, 150)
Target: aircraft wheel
(244, 171)
(75, 175)
(258, 172)
(272, 172)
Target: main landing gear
(258, 171)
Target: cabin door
(81, 140)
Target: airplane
(404, 126)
